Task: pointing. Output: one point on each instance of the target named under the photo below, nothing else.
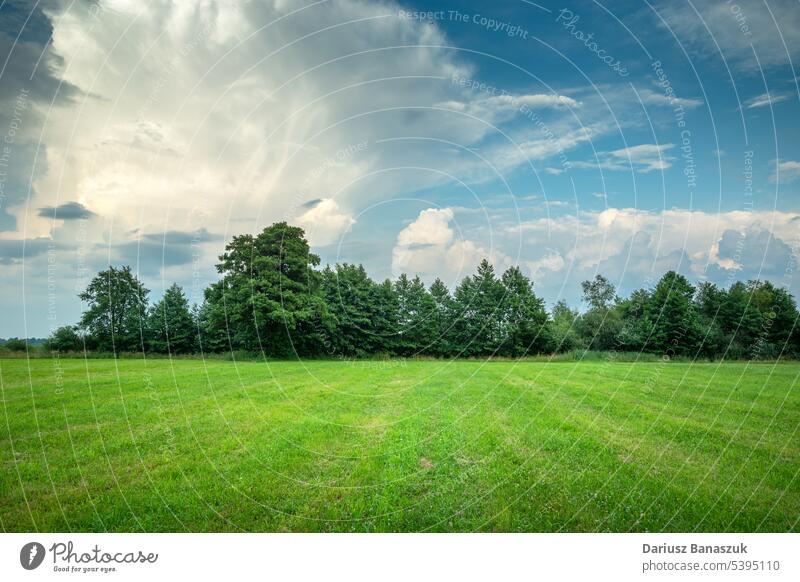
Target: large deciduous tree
(674, 318)
(601, 324)
(116, 310)
(269, 297)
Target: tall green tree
(525, 320)
(565, 328)
(365, 313)
(384, 317)
(741, 320)
(442, 319)
(673, 315)
(599, 293)
(601, 324)
(416, 317)
(269, 297)
(635, 327)
(173, 329)
(212, 333)
(116, 310)
(767, 319)
(479, 326)
(709, 300)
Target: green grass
(130, 445)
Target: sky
(570, 139)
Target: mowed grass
(129, 445)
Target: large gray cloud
(155, 251)
(28, 83)
(752, 253)
(15, 251)
(66, 211)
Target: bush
(65, 339)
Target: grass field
(398, 446)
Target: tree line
(272, 298)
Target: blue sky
(566, 138)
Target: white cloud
(432, 227)
(493, 107)
(430, 247)
(631, 246)
(641, 158)
(325, 222)
(537, 101)
(225, 111)
(749, 33)
(657, 98)
(766, 99)
(787, 171)
(552, 262)
(593, 238)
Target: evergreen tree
(479, 327)
(442, 319)
(383, 316)
(212, 332)
(524, 317)
(709, 300)
(416, 317)
(740, 319)
(778, 320)
(172, 327)
(365, 313)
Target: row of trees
(272, 298)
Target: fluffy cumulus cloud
(636, 247)
(324, 222)
(433, 246)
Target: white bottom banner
(354, 557)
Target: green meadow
(368, 446)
